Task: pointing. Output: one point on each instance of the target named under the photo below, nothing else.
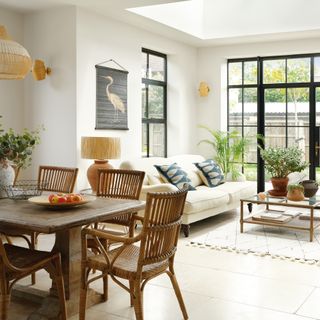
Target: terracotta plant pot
(295, 195)
(279, 187)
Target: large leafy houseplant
(280, 162)
(229, 148)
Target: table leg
(311, 224)
(241, 216)
(69, 245)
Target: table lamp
(99, 149)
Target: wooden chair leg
(105, 287)
(178, 293)
(60, 288)
(131, 286)
(83, 294)
(5, 299)
(138, 301)
(33, 247)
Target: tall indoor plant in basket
(15, 151)
(280, 162)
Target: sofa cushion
(173, 174)
(210, 173)
(238, 190)
(204, 198)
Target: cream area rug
(260, 240)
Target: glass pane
(298, 70)
(156, 140)
(156, 67)
(144, 100)
(299, 137)
(250, 72)
(274, 71)
(235, 107)
(235, 73)
(250, 171)
(318, 107)
(275, 107)
(156, 102)
(251, 151)
(144, 65)
(275, 137)
(144, 140)
(250, 106)
(298, 106)
(317, 69)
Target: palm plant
(229, 148)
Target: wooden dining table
(66, 224)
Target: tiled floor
(216, 285)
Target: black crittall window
(154, 104)
(279, 98)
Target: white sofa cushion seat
(204, 198)
(238, 190)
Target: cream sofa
(202, 203)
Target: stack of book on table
(306, 215)
(275, 216)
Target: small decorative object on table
(310, 188)
(23, 189)
(295, 192)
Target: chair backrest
(57, 179)
(120, 184)
(161, 226)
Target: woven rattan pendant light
(15, 61)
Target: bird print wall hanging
(111, 100)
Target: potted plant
(229, 148)
(15, 151)
(280, 162)
(295, 192)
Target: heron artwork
(114, 99)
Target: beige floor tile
(224, 310)
(257, 291)
(311, 307)
(159, 304)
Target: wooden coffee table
(311, 204)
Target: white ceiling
(203, 22)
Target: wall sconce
(15, 61)
(203, 89)
(39, 70)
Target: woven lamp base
(92, 172)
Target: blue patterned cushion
(173, 174)
(210, 173)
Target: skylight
(216, 19)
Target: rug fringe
(259, 254)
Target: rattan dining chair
(52, 179)
(17, 263)
(120, 184)
(139, 258)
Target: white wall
(50, 35)
(100, 38)
(11, 91)
(212, 67)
